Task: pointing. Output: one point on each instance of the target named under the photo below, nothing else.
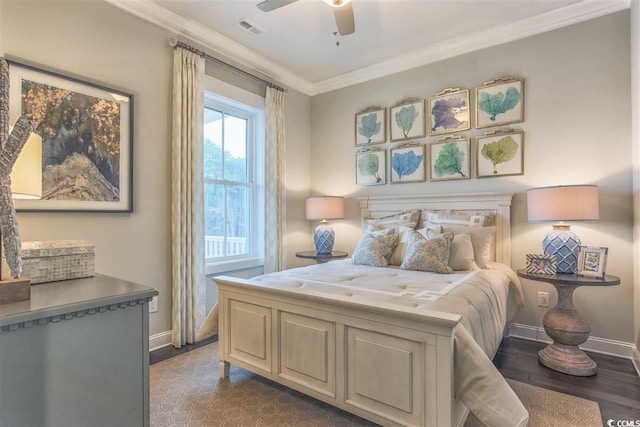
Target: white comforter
(481, 297)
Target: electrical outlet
(543, 299)
(153, 304)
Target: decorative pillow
(464, 218)
(461, 256)
(427, 255)
(406, 219)
(481, 238)
(374, 249)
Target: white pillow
(461, 255)
(458, 218)
(481, 238)
(406, 219)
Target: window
(233, 169)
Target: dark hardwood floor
(616, 386)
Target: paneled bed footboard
(390, 365)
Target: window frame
(237, 102)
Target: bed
(396, 347)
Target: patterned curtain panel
(187, 194)
(274, 251)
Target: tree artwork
(405, 118)
(498, 103)
(369, 165)
(370, 126)
(446, 112)
(406, 163)
(449, 160)
(500, 151)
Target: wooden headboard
(500, 203)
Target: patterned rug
(186, 391)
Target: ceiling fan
(343, 11)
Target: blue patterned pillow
(374, 249)
(427, 255)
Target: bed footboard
(388, 365)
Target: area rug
(186, 391)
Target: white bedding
(481, 297)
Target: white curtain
(187, 204)
(274, 252)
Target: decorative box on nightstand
(53, 260)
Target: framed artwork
(592, 261)
(450, 158)
(449, 111)
(406, 120)
(500, 102)
(371, 167)
(541, 264)
(370, 126)
(407, 163)
(86, 133)
(500, 153)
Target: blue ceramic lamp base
(323, 238)
(565, 245)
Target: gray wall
(577, 130)
(99, 42)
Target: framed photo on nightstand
(592, 261)
(541, 264)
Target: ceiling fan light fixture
(337, 3)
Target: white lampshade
(26, 176)
(336, 3)
(324, 207)
(563, 203)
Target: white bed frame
(390, 365)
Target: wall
(99, 42)
(577, 130)
(635, 123)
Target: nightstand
(322, 258)
(567, 326)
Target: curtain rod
(173, 42)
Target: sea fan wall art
(407, 164)
(449, 111)
(500, 154)
(370, 126)
(371, 167)
(407, 120)
(450, 159)
(500, 102)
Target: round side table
(322, 258)
(566, 325)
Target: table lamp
(563, 203)
(323, 208)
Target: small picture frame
(500, 153)
(371, 167)
(449, 111)
(406, 120)
(450, 158)
(500, 102)
(371, 126)
(541, 264)
(407, 163)
(592, 261)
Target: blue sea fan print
(444, 113)
(406, 163)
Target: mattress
(486, 299)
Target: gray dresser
(76, 354)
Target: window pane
(238, 210)
(214, 223)
(212, 144)
(235, 148)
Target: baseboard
(597, 345)
(160, 340)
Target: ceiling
(297, 46)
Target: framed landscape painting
(371, 167)
(500, 102)
(450, 158)
(500, 153)
(86, 132)
(407, 164)
(406, 120)
(370, 126)
(449, 111)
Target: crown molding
(568, 15)
(216, 42)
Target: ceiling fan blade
(344, 19)
(269, 5)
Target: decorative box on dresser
(76, 353)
